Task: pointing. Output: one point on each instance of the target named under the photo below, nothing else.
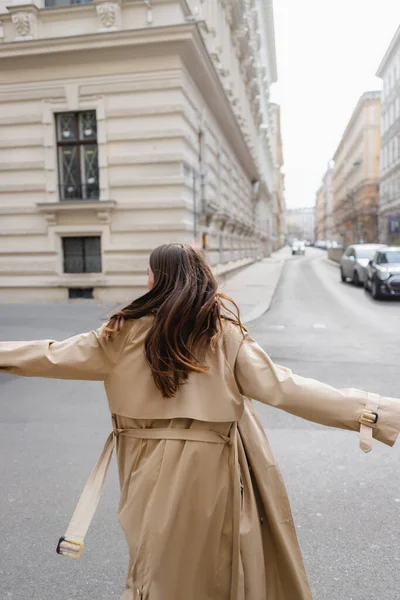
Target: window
(56, 3)
(74, 293)
(78, 167)
(365, 253)
(82, 254)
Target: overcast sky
(328, 52)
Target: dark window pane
(92, 255)
(55, 3)
(73, 255)
(87, 125)
(69, 172)
(67, 127)
(80, 293)
(90, 170)
(82, 254)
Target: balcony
(79, 192)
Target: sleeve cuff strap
(368, 420)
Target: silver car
(355, 260)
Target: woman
(203, 505)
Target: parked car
(383, 273)
(298, 247)
(354, 261)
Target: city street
(346, 504)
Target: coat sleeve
(372, 415)
(85, 356)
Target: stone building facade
(356, 174)
(320, 228)
(278, 204)
(124, 125)
(389, 202)
(300, 223)
(324, 227)
(327, 182)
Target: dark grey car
(383, 273)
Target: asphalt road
(346, 504)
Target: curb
(332, 263)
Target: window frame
(79, 143)
(63, 238)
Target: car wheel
(375, 291)
(356, 279)
(343, 278)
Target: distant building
(324, 227)
(327, 182)
(389, 203)
(356, 174)
(320, 230)
(300, 223)
(278, 203)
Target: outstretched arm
(259, 378)
(84, 356)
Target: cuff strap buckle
(368, 417)
(69, 547)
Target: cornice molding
(366, 97)
(99, 41)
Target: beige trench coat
(203, 504)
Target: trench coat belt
(72, 543)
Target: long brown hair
(188, 312)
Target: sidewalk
(254, 286)
(332, 262)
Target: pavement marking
(315, 326)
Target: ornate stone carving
(223, 72)
(24, 24)
(109, 15)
